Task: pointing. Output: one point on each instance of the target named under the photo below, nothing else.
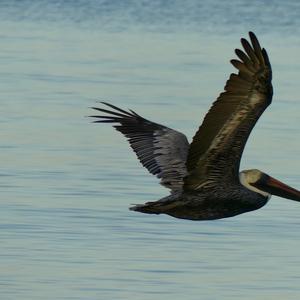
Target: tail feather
(164, 205)
(147, 208)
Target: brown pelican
(204, 176)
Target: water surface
(66, 184)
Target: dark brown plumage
(204, 176)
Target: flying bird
(203, 176)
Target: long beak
(276, 187)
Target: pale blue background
(66, 184)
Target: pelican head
(266, 185)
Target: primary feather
(160, 149)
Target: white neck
(246, 184)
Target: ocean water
(66, 184)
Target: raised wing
(163, 151)
(217, 147)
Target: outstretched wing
(217, 147)
(163, 151)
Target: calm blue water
(66, 184)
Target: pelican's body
(206, 204)
(204, 176)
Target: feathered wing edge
(161, 150)
(217, 146)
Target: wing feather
(217, 147)
(162, 150)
